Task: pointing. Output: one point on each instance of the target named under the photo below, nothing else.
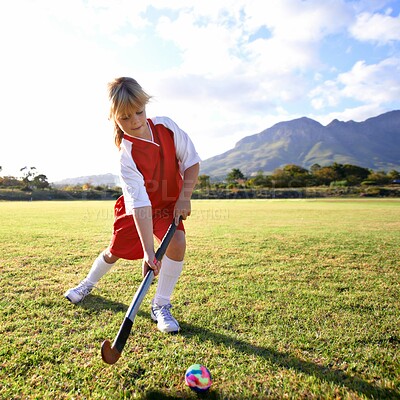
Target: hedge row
(298, 193)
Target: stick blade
(109, 354)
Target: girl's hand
(182, 208)
(150, 263)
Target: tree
(40, 182)
(378, 178)
(294, 169)
(393, 174)
(260, 180)
(354, 174)
(28, 176)
(314, 168)
(291, 175)
(300, 177)
(235, 176)
(9, 181)
(280, 178)
(33, 180)
(338, 168)
(325, 175)
(204, 181)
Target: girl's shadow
(97, 303)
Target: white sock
(167, 279)
(99, 268)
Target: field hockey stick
(111, 353)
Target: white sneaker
(165, 321)
(77, 294)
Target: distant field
(296, 299)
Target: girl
(158, 167)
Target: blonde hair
(126, 97)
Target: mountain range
(109, 180)
(373, 143)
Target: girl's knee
(109, 258)
(177, 247)
(179, 240)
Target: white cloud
(357, 114)
(371, 6)
(376, 28)
(325, 95)
(299, 21)
(97, 17)
(206, 48)
(218, 51)
(378, 84)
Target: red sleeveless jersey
(157, 162)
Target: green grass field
(296, 299)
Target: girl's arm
(183, 206)
(144, 226)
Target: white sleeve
(184, 147)
(132, 181)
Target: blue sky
(221, 69)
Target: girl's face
(134, 123)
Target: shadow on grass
(157, 395)
(95, 302)
(284, 360)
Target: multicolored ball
(198, 378)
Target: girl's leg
(171, 268)
(101, 265)
(177, 247)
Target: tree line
(30, 179)
(295, 176)
(289, 176)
